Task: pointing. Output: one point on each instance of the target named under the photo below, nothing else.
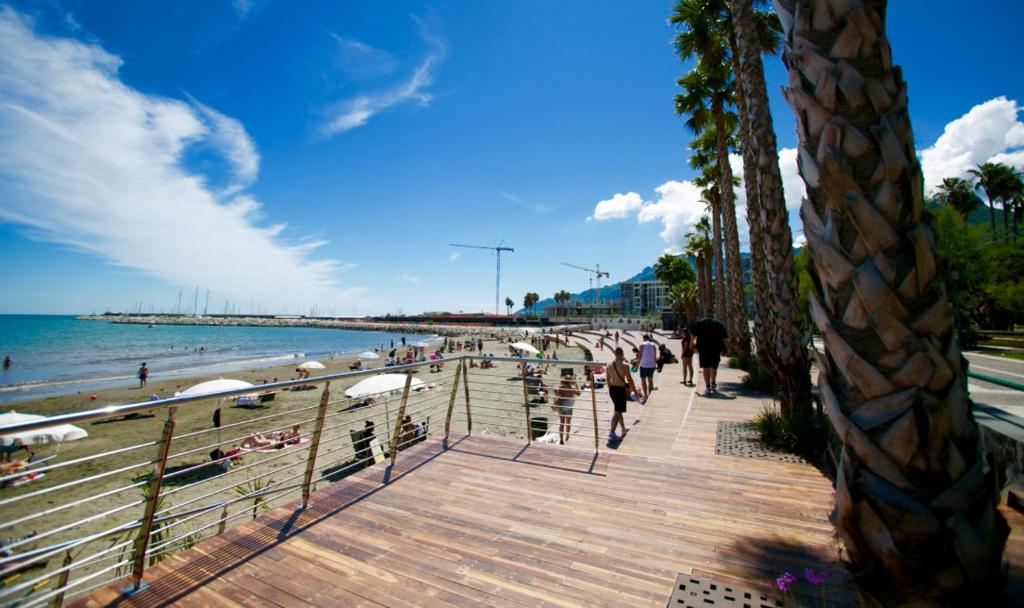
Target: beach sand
(499, 410)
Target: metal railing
(99, 516)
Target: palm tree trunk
(739, 335)
(791, 363)
(991, 212)
(709, 284)
(915, 498)
(719, 286)
(762, 318)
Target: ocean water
(57, 354)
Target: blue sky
(283, 158)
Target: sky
(285, 157)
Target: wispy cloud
(89, 162)
(410, 279)
(359, 60)
(453, 257)
(357, 111)
(535, 207)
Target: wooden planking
(492, 521)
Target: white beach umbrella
(312, 365)
(526, 348)
(62, 432)
(368, 354)
(382, 383)
(214, 386)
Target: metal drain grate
(692, 592)
(740, 439)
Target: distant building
(608, 308)
(642, 298)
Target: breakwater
(409, 328)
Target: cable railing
(90, 519)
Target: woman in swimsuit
(687, 357)
(565, 401)
(620, 382)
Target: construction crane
(595, 273)
(497, 250)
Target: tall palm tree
(695, 251)
(698, 246)
(708, 183)
(509, 303)
(915, 499)
(755, 33)
(997, 181)
(959, 194)
(707, 93)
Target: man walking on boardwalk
(709, 342)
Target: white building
(641, 298)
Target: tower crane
(595, 273)
(497, 250)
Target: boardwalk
(492, 522)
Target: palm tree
(915, 499)
(530, 300)
(561, 297)
(698, 247)
(754, 33)
(959, 194)
(682, 297)
(707, 93)
(509, 303)
(997, 181)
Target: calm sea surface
(57, 354)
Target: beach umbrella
(382, 383)
(368, 354)
(312, 365)
(523, 346)
(214, 386)
(63, 432)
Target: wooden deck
(492, 522)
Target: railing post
(469, 409)
(62, 580)
(314, 446)
(398, 419)
(223, 521)
(593, 404)
(451, 403)
(526, 403)
(155, 483)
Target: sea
(55, 354)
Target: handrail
(129, 533)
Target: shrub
(806, 436)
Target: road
(995, 395)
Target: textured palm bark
(720, 312)
(739, 335)
(762, 317)
(789, 353)
(915, 497)
(709, 280)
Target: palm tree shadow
(818, 578)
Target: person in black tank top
(620, 382)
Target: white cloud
(361, 61)
(242, 7)
(617, 207)
(410, 279)
(356, 112)
(453, 257)
(88, 162)
(990, 131)
(678, 204)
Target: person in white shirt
(648, 363)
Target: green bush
(806, 436)
(734, 363)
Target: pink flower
(784, 581)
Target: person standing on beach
(403, 340)
(620, 383)
(709, 342)
(616, 338)
(648, 363)
(7, 362)
(143, 374)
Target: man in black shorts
(709, 342)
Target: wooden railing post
(451, 403)
(155, 483)
(398, 419)
(526, 404)
(314, 446)
(469, 409)
(62, 580)
(593, 404)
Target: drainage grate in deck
(692, 592)
(740, 439)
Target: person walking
(648, 363)
(143, 375)
(565, 401)
(620, 383)
(709, 342)
(687, 344)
